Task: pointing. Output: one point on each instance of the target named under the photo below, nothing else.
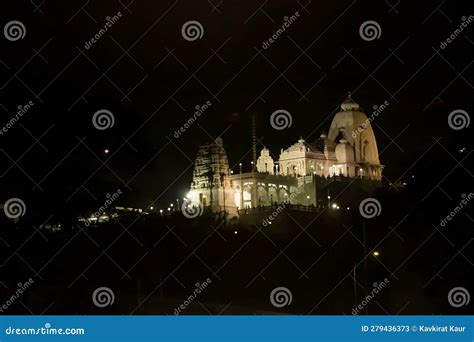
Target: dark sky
(151, 79)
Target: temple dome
(353, 125)
(265, 151)
(265, 162)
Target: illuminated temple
(302, 174)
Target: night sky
(151, 79)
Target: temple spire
(349, 103)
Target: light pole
(254, 186)
(375, 254)
(241, 188)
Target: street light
(375, 253)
